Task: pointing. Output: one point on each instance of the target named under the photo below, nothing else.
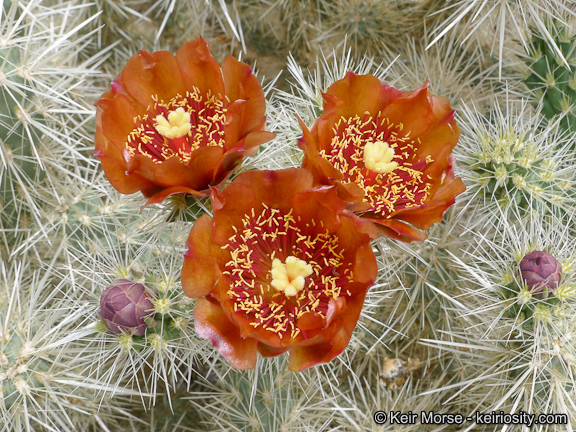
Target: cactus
(464, 321)
(509, 162)
(39, 113)
(391, 382)
(426, 300)
(19, 169)
(456, 71)
(368, 22)
(267, 399)
(552, 79)
(42, 384)
(517, 339)
(494, 22)
(282, 27)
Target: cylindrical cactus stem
(552, 78)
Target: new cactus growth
(510, 162)
(551, 78)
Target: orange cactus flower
(280, 267)
(178, 124)
(388, 152)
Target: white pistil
(378, 157)
(289, 277)
(177, 125)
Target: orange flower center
(380, 157)
(282, 268)
(178, 127)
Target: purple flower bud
(125, 305)
(540, 270)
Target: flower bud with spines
(45, 382)
(517, 337)
(126, 306)
(152, 363)
(541, 272)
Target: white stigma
(378, 157)
(289, 277)
(177, 125)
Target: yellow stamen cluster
(177, 125)
(193, 121)
(363, 148)
(289, 277)
(281, 268)
(378, 157)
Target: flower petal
(233, 125)
(114, 166)
(322, 170)
(398, 230)
(254, 139)
(146, 75)
(365, 267)
(142, 165)
(360, 94)
(272, 187)
(232, 205)
(351, 96)
(200, 271)
(212, 324)
(242, 84)
(433, 211)
(335, 307)
(157, 198)
(199, 68)
(198, 175)
(303, 357)
(438, 142)
(413, 110)
(115, 118)
(311, 321)
(269, 351)
(319, 204)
